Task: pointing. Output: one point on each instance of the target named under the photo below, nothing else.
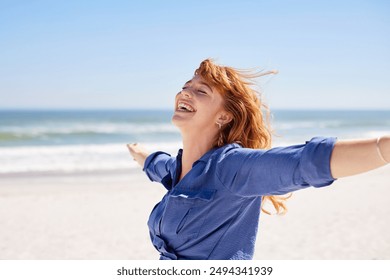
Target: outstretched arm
(351, 157)
(139, 153)
(156, 165)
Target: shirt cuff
(150, 169)
(315, 161)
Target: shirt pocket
(186, 212)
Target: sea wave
(67, 142)
(100, 133)
(111, 156)
(72, 158)
(93, 128)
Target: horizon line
(170, 109)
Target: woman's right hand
(138, 152)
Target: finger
(130, 148)
(131, 144)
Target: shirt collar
(208, 154)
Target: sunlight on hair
(250, 126)
(278, 202)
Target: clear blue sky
(137, 54)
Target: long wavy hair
(250, 126)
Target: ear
(225, 118)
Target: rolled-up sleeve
(157, 166)
(277, 171)
(315, 162)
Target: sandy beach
(103, 216)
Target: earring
(219, 125)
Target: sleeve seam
(230, 191)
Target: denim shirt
(213, 212)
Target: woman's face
(198, 107)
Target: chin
(179, 120)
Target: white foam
(105, 128)
(72, 158)
(114, 156)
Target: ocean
(75, 141)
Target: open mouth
(184, 107)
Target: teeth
(184, 106)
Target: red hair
(250, 126)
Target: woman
(226, 169)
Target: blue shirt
(213, 212)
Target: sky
(118, 54)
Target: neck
(194, 147)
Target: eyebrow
(202, 83)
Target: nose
(186, 92)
